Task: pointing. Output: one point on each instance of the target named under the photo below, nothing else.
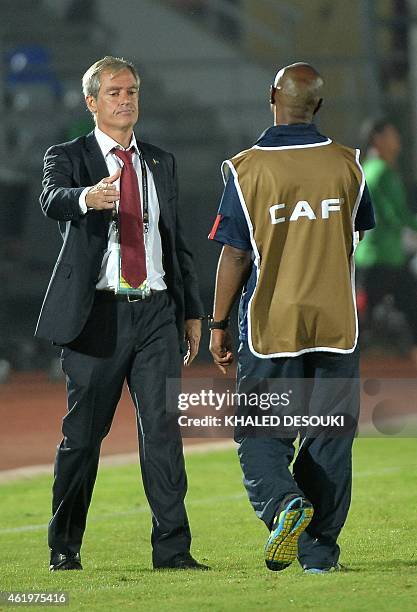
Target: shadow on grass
(148, 570)
(127, 573)
(388, 565)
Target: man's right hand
(221, 348)
(104, 195)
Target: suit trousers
(137, 342)
(322, 470)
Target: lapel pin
(155, 161)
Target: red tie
(132, 246)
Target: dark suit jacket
(68, 169)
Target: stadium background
(206, 67)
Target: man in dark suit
(122, 288)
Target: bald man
(293, 209)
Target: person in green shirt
(381, 257)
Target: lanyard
(145, 197)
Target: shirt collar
(294, 133)
(107, 144)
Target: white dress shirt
(109, 273)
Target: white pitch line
(198, 502)
(142, 509)
(32, 471)
(384, 470)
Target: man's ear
(91, 104)
(272, 92)
(318, 107)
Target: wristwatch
(212, 324)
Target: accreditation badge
(123, 286)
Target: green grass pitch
(379, 542)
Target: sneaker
(337, 567)
(281, 548)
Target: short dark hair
(371, 127)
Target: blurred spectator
(82, 11)
(381, 257)
(189, 5)
(217, 17)
(73, 11)
(229, 26)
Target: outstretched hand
(104, 195)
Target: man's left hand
(192, 335)
(221, 348)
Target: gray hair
(91, 78)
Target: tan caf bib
(300, 204)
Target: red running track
(31, 410)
